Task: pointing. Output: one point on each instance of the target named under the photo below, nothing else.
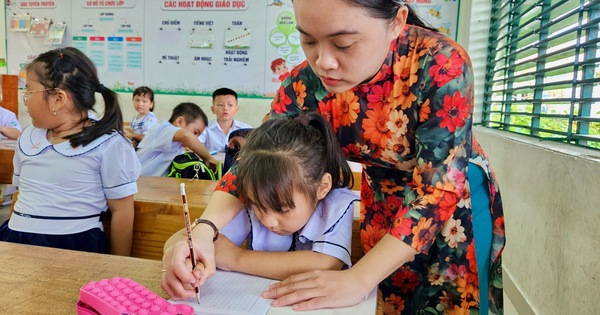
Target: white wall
(551, 203)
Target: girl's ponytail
(335, 161)
(71, 70)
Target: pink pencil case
(121, 296)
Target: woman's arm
(273, 265)
(121, 225)
(324, 289)
(179, 280)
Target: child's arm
(10, 133)
(273, 265)
(121, 225)
(189, 140)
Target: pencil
(186, 217)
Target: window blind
(543, 70)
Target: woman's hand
(318, 289)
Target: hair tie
(61, 55)
(304, 120)
(99, 87)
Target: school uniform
(328, 230)
(64, 190)
(141, 125)
(157, 149)
(8, 119)
(215, 139)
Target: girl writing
(297, 216)
(70, 169)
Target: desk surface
(42, 280)
(166, 189)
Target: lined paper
(231, 293)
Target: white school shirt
(157, 149)
(213, 137)
(328, 230)
(8, 119)
(61, 181)
(140, 125)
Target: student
(225, 106)
(143, 102)
(166, 140)
(298, 214)
(9, 124)
(70, 169)
(399, 96)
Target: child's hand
(212, 163)
(178, 279)
(236, 142)
(227, 253)
(127, 134)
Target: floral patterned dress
(410, 126)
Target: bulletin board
(175, 47)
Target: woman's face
(343, 44)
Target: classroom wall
(551, 203)
(551, 206)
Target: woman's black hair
(144, 90)
(284, 156)
(72, 71)
(387, 9)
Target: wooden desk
(158, 211)
(42, 280)
(7, 152)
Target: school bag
(189, 165)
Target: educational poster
(441, 14)
(176, 47)
(282, 50)
(24, 43)
(199, 46)
(111, 34)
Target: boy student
(225, 106)
(166, 140)
(9, 125)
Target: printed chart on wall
(177, 47)
(441, 14)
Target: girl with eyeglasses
(70, 168)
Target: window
(543, 70)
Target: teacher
(399, 96)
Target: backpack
(189, 165)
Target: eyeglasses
(27, 94)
